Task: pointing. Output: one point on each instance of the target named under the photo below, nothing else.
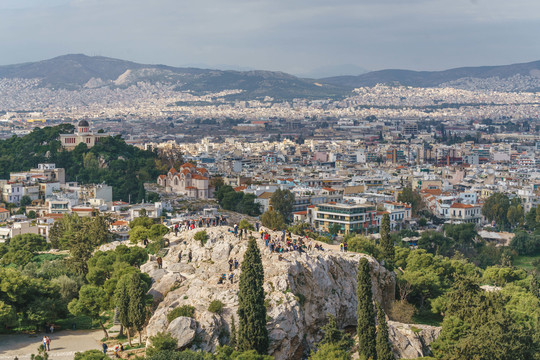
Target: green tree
(234, 341)
(334, 229)
(282, 201)
(121, 299)
(333, 335)
(496, 209)
(387, 243)
(384, 348)
(137, 307)
(25, 200)
(365, 313)
(252, 332)
(201, 236)
(21, 248)
(409, 196)
(91, 303)
(526, 244)
(273, 220)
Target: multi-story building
(352, 218)
(465, 213)
(398, 212)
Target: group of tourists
(189, 256)
(343, 246)
(47, 343)
(287, 242)
(217, 220)
(117, 349)
(223, 278)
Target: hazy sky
(290, 35)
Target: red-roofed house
(4, 214)
(465, 213)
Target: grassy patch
(426, 317)
(415, 329)
(40, 258)
(525, 262)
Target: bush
(201, 236)
(216, 307)
(184, 310)
(161, 342)
(90, 355)
(244, 224)
(273, 220)
(154, 246)
(402, 311)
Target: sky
(295, 36)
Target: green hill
(111, 161)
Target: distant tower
(83, 127)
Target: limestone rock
(411, 341)
(301, 288)
(183, 329)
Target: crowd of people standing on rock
(287, 242)
(217, 220)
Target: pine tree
(233, 341)
(386, 242)
(122, 304)
(252, 332)
(384, 349)
(365, 312)
(137, 306)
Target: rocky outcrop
(301, 289)
(411, 341)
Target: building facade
(82, 135)
(190, 181)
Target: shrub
(244, 224)
(184, 310)
(90, 355)
(161, 342)
(402, 311)
(201, 236)
(216, 307)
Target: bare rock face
(301, 289)
(411, 341)
(183, 330)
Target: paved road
(64, 344)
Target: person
(241, 233)
(121, 347)
(45, 342)
(176, 229)
(341, 246)
(159, 262)
(231, 277)
(52, 328)
(180, 256)
(257, 226)
(235, 230)
(116, 349)
(190, 256)
(345, 246)
(48, 343)
(220, 280)
(230, 264)
(235, 263)
(105, 347)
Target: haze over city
(300, 37)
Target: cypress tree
(252, 332)
(137, 305)
(386, 242)
(365, 312)
(233, 341)
(384, 349)
(122, 304)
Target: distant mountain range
(529, 71)
(77, 71)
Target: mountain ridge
(78, 71)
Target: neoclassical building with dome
(190, 181)
(81, 135)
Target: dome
(83, 123)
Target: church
(190, 181)
(81, 135)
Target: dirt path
(64, 344)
